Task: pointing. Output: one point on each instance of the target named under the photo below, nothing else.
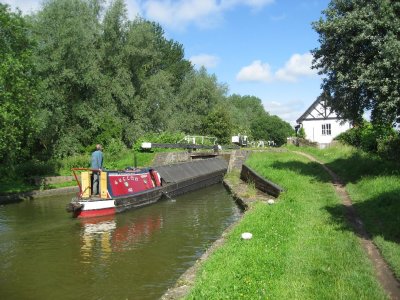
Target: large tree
(359, 57)
(72, 106)
(102, 77)
(17, 87)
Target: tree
(359, 56)
(218, 123)
(244, 110)
(71, 90)
(279, 130)
(271, 128)
(103, 77)
(17, 87)
(198, 95)
(157, 67)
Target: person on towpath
(96, 163)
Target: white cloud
(178, 14)
(175, 14)
(289, 111)
(257, 71)
(297, 66)
(204, 13)
(206, 60)
(254, 4)
(134, 8)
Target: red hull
(95, 213)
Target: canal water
(139, 254)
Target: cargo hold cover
(182, 171)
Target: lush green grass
(374, 187)
(298, 251)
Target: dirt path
(382, 271)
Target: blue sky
(255, 47)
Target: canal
(139, 254)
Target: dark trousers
(96, 183)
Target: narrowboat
(119, 191)
(132, 188)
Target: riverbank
(13, 198)
(301, 248)
(245, 196)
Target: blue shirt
(97, 160)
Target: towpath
(382, 271)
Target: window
(326, 129)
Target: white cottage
(321, 124)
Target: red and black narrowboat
(132, 188)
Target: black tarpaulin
(183, 171)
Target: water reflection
(100, 237)
(138, 254)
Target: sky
(256, 47)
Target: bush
(389, 147)
(302, 133)
(382, 140)
(36, 168)
(76, 161)
(351, 137)
(163, 137)
(115, 147)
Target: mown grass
(374, 187)
(298, 250)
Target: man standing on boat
(97, 164)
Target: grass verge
(298, 250)
(374, 187)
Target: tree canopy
(77, 73)
(359, 55)
(249, 117)
(17, 86)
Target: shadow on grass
(350, 169)
(309, 169)
(380, 215)
(353, 168)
